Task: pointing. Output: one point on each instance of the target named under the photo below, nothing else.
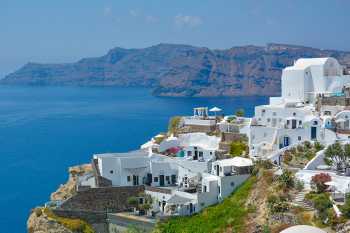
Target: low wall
(316, 161)
(111, 199)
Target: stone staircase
(299, 200)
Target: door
(313, 133)
(149, 179)
(161, 180)
(286, 141)
(195, 157)
(191, 208)
(135, 180)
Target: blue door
(313, 133)
(285, 141)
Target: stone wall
(111, 199)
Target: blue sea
(44, 130)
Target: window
(220, 169)
(128, 178)
(294, 113)
(287, 122)
(200, 153)
(204, 188)
(300, 122)
(155, 179)
(315, 122)
(111, 171)
(219, 189)
(232, 184)
(189, 153)
(268, 119)
(167, 178)
(280, 119)
(274, 113)
(299, 138)
(210, 152)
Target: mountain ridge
(178, 70)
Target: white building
(293, 118)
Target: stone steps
(299, 200)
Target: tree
(318, 181)
(174, 124)
(334, 155)
(133, 201)
(237, 148)
(240, 112)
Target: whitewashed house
(295, 117)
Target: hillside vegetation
(228, 216)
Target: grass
(75, 225)
(230, 214)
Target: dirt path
(257, 203)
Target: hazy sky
(66, 30)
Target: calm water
(45, 130)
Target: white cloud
(134, 13)
(151, 19)
(107, 11)
(187, 21)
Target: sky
(67, 30)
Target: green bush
(240, 112)
(318, 146)
(286, 180)
(237, 148)
(277, 204)
(75, 225)
(174, 124)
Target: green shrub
(318, 146)
(174, 123)
(286, 180)
(277, 204)
(237, 148)
(75, 225)
(240, 112)
(299, 185)
(307, 145)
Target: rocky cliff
(178, 70)
(39, 220)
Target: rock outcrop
(39, 222)
(178, 70)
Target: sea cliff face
(178, 70)
(39, 221)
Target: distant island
(178, 70)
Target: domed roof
(303, 229)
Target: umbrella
(215, 110)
